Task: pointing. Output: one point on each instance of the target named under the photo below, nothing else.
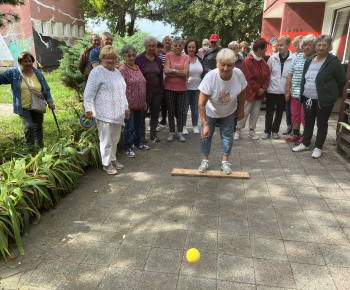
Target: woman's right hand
(88, 115)
(205, 133)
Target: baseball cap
(214, 37)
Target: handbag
(37, 100)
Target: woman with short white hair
(234, 46)
(151, 67)
(105, 98)
(322, 80)
(217, 103)
(307, 45)
(204, 48)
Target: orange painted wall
(298, 20)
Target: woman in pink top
(136, 95)
(176, 69)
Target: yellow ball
(193, 255)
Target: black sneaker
(155, 139)
(143, 139)
(162, 122)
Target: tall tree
(120, 14)
(9, 17)
(230, 19)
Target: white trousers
(109, 134)
(251, 108)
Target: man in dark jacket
(84, 64)
(209, 59)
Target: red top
(257, 74)
(135, 87)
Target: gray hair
(92, 35)
(327, 38)
(233, 43)
(106, 33)
(148, 39)
(178, 39)
(127, 48)
(226, 55)
(306, 39)
(205, 40)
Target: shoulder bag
(37, 100)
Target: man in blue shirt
(94, 58)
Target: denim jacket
(12, 76)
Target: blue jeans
(226, 126)
(192, 100)
(132, 129)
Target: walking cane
(58, 128)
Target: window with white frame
(67, 30)
(53, 28)
(44, 28)
(340, 34)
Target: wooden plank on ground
(209, 173)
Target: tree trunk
(132, 20)
(121, 26)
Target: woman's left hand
(51, 106)
(145, 106)
(127, 114)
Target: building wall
(44, 26)
(16, 38)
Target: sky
(155, 28)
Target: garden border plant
(31, 184)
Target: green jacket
(330, 79)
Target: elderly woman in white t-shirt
(219, 92)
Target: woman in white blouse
(193, 81)
(105, 99)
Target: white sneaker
(184, 131)
(300, 147)
(226, 167)
(195, 130)
(117, 164)
(110, 169)
(236, 135)
(203, 167)
(316, 153)
(253, 135)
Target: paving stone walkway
(287, 227)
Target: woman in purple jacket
(152, 69)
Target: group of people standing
(224, 88)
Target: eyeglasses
(130, 55)
(151, 46)
(178, 45)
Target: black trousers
(312, 110)
(153, 105)
(272, 101)
(33, 127)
